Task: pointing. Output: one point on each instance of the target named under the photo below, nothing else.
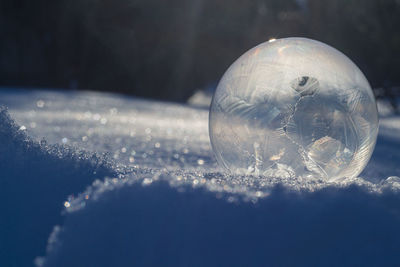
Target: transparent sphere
(294, 107)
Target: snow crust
(157, 197)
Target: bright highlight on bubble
(294, 107)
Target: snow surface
(152, 193)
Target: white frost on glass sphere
(294, 107)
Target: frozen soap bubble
(294, 107)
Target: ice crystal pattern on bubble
(294, 106)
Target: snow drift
(35, 179)
(120, 223)
(163, 201)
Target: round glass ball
(294, 107)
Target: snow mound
(35, 179)
(130, 222)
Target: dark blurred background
(167, 49)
